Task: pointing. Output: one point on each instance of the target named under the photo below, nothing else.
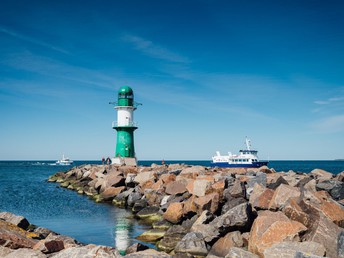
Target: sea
(24, 190)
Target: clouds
(32, 40)
(153, 50)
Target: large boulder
(15, 237)
(88, 251)
(333, 187)
(111, 192)
(192, 243)
(23, 253)
(321, 174)
(151, 235)
(270, 228)
(149, 253)
(208, 202)
(290, 249)
(176, 187)
(150, 214)
(236, 252)
(172, 236)
(199, 187)
(281, 196)
(222, 246)
(143, 177)
(174, 212)
(19, 221)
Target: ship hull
(237, 165)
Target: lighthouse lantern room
(125, 127)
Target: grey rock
(172, 236)
(139, 205)
(333, 187)
(340, 245)
(231, 203)
(193, 244)
(88, 251)
(24, 252)
(289, 249)
(236, 252)
(133, 198)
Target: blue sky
(208, 74)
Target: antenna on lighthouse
(125, 127)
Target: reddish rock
(198, 187)
(176, 187)
(166, 178)
(224, 244)
(236, 190)
(189, 205)
(270, 228)
(281, 196)
(158, 185)
(15, 237)
(208, 202)
(111, 192)
(263, 200)
(147, 185)
(143, 177)
(19, 221)
(294, 211)
(334, 212)
(219, 186)
(275, 180)
(49, 246)
(174, 212)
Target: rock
(111, 192)
(15, 237)
(289, 249)
(193, 244)
(224, 244)
(321, 174)
(237, 217)
(270, 228)
(143, 177)
(260, 200)
(129, 180)
(138, 205)
(333, 187)
(192, 171)
(340, 245)
(121, 199)
(174, 212)
(5, 251)
(152, 235)
(235, 191)
(88, 251)
(133, 198)
(281, 196)
(260, 179)
(275, 180)
(231, 203)
(208, 202)
(204, 218)
(19, 221)
(172, 236)
(294, 211)
(198, 187)
(266, 170)
(48, 246)
(334, 212)
(137, 247)
(236, 252)
(24, 252)
(162, 224)
(189, 206)
(325, 232)
(150, 214)
(149, 253)
(176, 187)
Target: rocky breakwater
(197, 211)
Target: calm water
(24, 191)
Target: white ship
(246, 158)
(64, 161)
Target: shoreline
(201, 211)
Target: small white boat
(245, 159)
(64, 161)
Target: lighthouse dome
(125, 96)
(125, 90)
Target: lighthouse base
(124, 161)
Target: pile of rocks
(198, 211)
(19, 239)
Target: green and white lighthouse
(125, 127)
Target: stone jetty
(198, 211)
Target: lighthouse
(125, 127)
